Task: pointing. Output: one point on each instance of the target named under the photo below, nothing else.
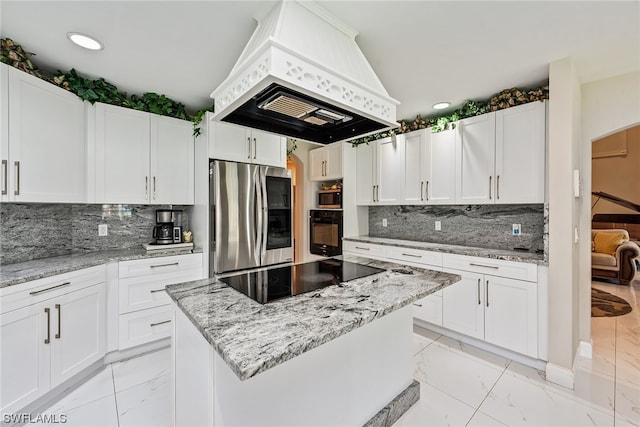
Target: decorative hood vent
(303, 75)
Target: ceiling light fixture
(85, 41)
(441, 105)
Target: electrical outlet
(103, 230)
(516, 230)
(384, 222)
(438, 225)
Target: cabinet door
(415, 160)
(317, 158)
(462, 304)
(24, 357)
(475, 158)
(268, 149)
(230, 142)
(440, 168)
(4, 132)
(333, 165)
(389, 165)
(122, 155)
(520, 154)
(365, 156)
(48, 150)
(172, 148)
(78, 332)
(429, 309)
(511, 314)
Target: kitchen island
(341, 355)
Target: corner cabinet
(142, 158)
(239, 144)
(379, 169)
(43, 141)
(326, 163)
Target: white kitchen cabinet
(520, 154)
(462, 304)
(238, 144)
(429, 308)
(380, 172)
(44, 151)
(326, 162)
(50, 330)
(429, 167)
(142, 158)
(475, 153)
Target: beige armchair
(613, 255)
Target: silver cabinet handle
(146, 188)
(164, 265)
(487, 293)
(421, 188)
(417, 305)
(479, 302)
(159, 323)
(485, 266)
(412, 255)
(154, 188)
(373, 193)
(41, 291)
(426, 193)
(361, 248)
(249, 147)
(17, 169)
(59, 309)
(153, 291)
(490, 187)
(498, 187)
(5, 166)
(255, 148)
(48, 339)
(377, 193)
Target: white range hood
(303, 75)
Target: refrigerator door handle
(257, 249)
(265, 214)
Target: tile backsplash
(31, 231)
(485, 226)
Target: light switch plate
(103, 230)
(384, 222)
(516, 230)
(438, 225)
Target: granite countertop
(20, 272)
(507, 255)
(252, 337)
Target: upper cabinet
(326, 163)
(476, 159)
(239, 144)
(429, 167)
(380, 167)
(142, 158)
(42, 141)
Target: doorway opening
(296, 166)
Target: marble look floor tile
(624, 423)
(627, 402)
(97, 387)
(435, 408)
(422, 338)
(516, 401)
(147, 404)
(483, 420)
(140, 369)
(99, 413)
(465, 376)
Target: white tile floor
(459, 384)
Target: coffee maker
(164, 228)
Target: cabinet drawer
(21, 295)
(137, 293)
(364, 249)
(145, 326)
(160, 265)
(415, 256)
(429, 308)
(494, 267)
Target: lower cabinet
(58, 332)
(429, 309)
(462, 305)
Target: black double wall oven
(325, 230)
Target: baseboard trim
(559, 375)
(585, 349)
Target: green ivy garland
(99, 90)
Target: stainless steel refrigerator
(250, 215)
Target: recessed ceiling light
(441, 105)
(85, 41)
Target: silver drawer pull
(412, 255)
(41, 291)
(485, 266)
(164, 265)
(417, 305)
(361, 248)
(153, 291)
(5, 166)
(160, 323)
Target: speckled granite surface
(13, 274)
(454, 249)
(252, 337)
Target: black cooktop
(269, 285)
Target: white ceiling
(422, 51)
